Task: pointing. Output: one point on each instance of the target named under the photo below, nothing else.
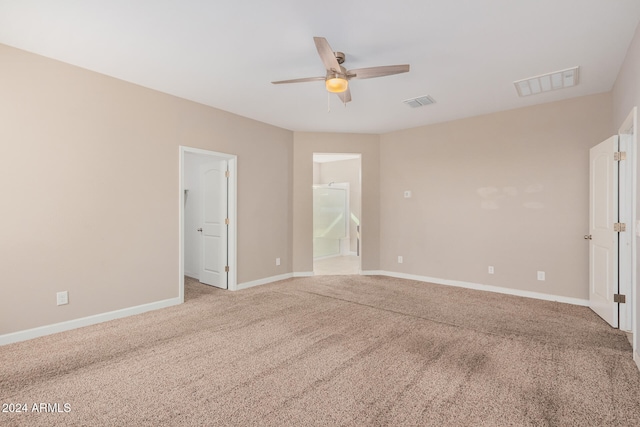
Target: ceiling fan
(337, 77)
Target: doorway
(207, 218)
(612, 268)
(336, 213)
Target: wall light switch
(400, 260)
(62, 298)
(491, 271)
(541, 275)
(277, 261)
(407, 194)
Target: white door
(214, 229)
(603, 240)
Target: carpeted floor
(330, 351)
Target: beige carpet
(331, 351)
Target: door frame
(232, 197)
(627, 137)
(627, 214)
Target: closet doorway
(208, 233)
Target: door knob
(200, 230)
(588, 237)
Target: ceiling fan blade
(304, 79)
(326, 54)
(345, 96)
(385, 70)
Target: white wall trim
(627, 202)
(372, 273)
(264, 281)
(636, 358)
(192, 274)
(319, 258)
(481, 287)
(303, 274)
(85, 321)
(630, 315)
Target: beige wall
(508, 189)
(626, 96)
(90, 197)
(304, 145)
(626, 90)
(89, 178)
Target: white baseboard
(85, 321)
(192, 275)
(264, 281)
(303, 274)
(480, 287)
(272, 279)
(125, 312)
(372, 273)
(320, 258)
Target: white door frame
(232, 161)
(627, 211)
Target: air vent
(419, 101)
(547, 82)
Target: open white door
(603, 239)
(213, 182)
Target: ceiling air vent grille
(547, 82)
(419, 101)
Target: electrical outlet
(62, 298)
(407, 194)
(277, 261)
(491, 270)
(400, 260)
(541, 275)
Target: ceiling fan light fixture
(336, 84)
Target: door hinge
(622, 299)
(619, 155)
(226, 268)
(227, 174)
(226, 221)
(619, 227)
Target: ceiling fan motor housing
(337, 74)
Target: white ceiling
(464, 53)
